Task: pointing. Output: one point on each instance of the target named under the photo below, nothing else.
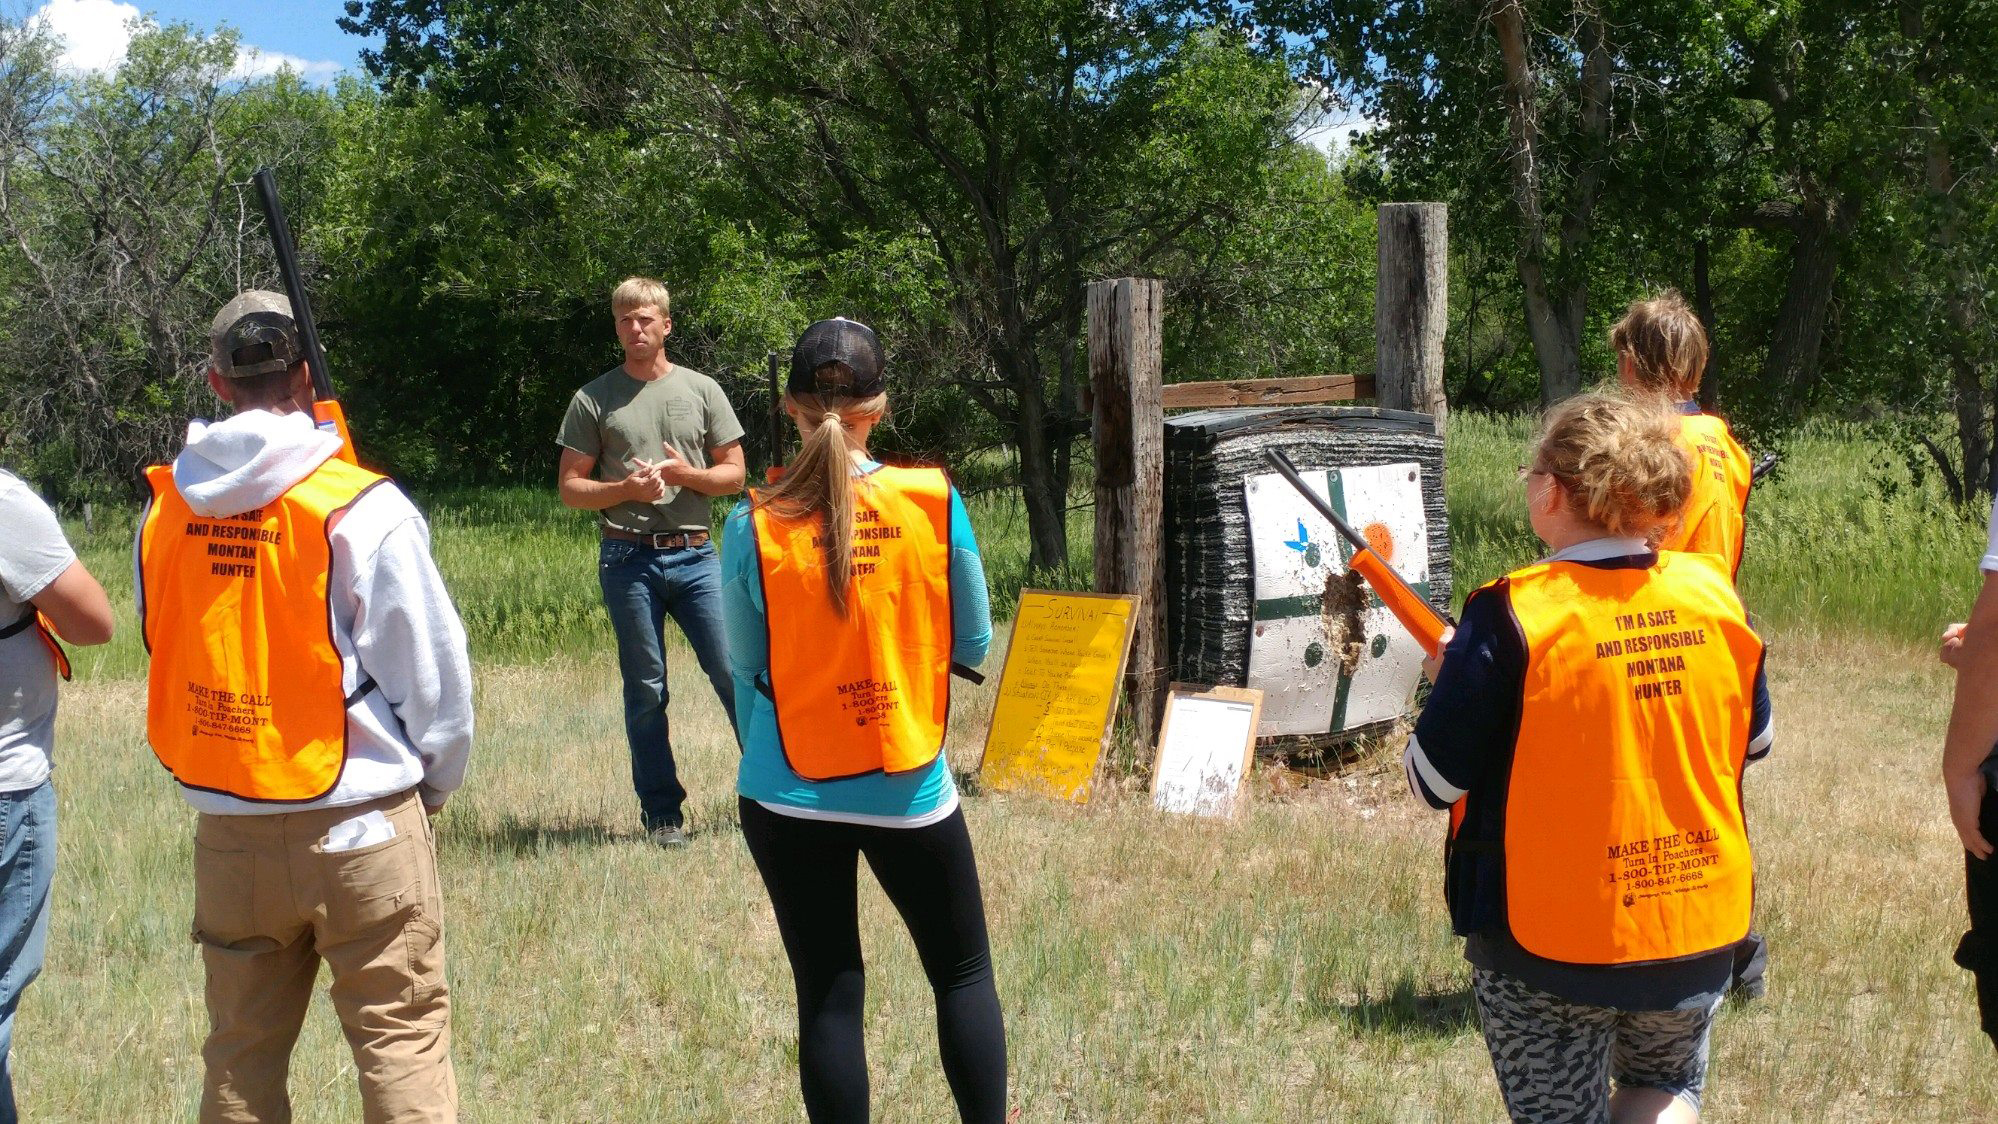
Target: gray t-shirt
(33, 553)
(621, 420)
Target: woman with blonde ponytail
(1588, 729)
(851, 591)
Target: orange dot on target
(1380, 540)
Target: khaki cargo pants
(269, 905)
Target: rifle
(1416, 615)
(1763, 467)
(326, 409)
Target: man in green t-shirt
(645, 445)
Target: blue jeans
(641, 587)
(27, 865)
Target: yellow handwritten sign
(1058, 692)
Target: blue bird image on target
(1303, 545)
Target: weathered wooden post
(1129, 415)
(1411, 306)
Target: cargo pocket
(224, 895)
(370, 887)
(423, 940)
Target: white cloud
(94, 34)
(255, 62)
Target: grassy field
(1295, 965)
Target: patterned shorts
(1555, 1059)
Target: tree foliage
(1802, 168)
(125, 226)
(957, 181)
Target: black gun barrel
(294, 283)
(1282, 463)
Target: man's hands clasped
(648, 483)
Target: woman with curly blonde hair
(1588, 729)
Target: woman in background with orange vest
(1588, 729)
(1661, 349)
(850, 589)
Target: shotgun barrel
(1415, 614)
(326, 409)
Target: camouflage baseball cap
(254, 335)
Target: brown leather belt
(665, 540)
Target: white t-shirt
(33, 553)
(1991, 543)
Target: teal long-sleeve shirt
(764, 775)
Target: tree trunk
(1969, 396)
(1554, 343)
(1799, 332)
(1042, 487)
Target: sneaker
(669, 835)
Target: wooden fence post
(1129, 415)
(1411, 306)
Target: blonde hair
(1618, 462)
(1666, 344)
(635, 291)
(819, 480)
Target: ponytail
(819, 481)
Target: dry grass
(1293, 966)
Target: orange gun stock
(328, 414)
(1415, 614)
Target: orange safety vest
(867, 692)
(1624, 839)
(1712, 522)
(245, 693)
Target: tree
(126, 227)
(1034, 146)
(957, 181)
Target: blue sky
(299, 33)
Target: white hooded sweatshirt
(393, 622)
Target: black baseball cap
(837, 358)
(255, 334)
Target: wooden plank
(1411, 305)
(1129, 417)
(1302, 390)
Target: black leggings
(1978, 951)
(811, 869)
